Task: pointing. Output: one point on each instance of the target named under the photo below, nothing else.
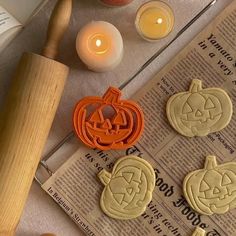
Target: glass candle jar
(154, 20)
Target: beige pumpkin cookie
(128, 189)
(211, 190)
(199, 232)
(199, 111)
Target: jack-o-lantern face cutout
(212, 189)
(199, 112)
(128, 189)
(108, 122)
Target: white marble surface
(41, 214)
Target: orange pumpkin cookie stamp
(128, 189)
(199, 111)
(199, 232)
(212, 189)
(108, 122)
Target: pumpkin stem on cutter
(195, 86)
(105, 177)
(112, 95)
(210, 163)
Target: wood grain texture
(31, 106)
(57, 26)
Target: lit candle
(154, 20)
(100, 46)
(116, 2)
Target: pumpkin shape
(128, 189)
(199, 232)
(108, 122)
(212, 189)
(199, 112)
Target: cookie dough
(199, 232)
(128, 189)
(199, 111)
(211, 190)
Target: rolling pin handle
(58, 24)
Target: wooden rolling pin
(27, 117)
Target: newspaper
(211, 57)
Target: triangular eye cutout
(128, 176)
(209, 104)
(119, 197)
(129, 190)
(204, 186)
(226, 180)
(187, 108)
(120, 119)
(216, 190)
(97, 117)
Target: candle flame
(98, 42)
(159, 20)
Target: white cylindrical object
(100, 46)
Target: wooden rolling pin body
(34, 97)
(27, 118)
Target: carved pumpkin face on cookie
(128, 189)
(199, 111)
(212, 189)
(112, 123)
